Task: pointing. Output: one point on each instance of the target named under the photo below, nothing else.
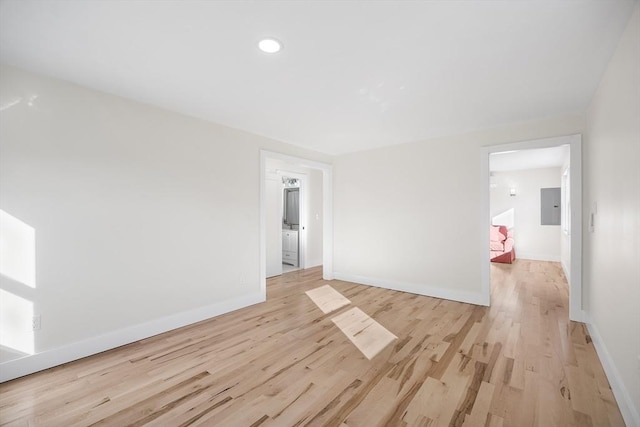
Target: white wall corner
(94, 345)
(477, 298)
(630, 410)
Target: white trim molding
(47, 359)
(477, 298)
(630, 412)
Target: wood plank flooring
(285, 363)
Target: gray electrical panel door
(550, 206)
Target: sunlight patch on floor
(365, 333)
(327, 299)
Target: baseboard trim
(47, 359)
(630, 413)
(476, 298)
(537, 257)
(313, 263)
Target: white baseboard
(313, 263)
(537, 257)
(630, 412)
(29, 364)
(476, 298)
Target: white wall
(144, 219)
(312, 213)
(532, 240)
(612, 250)
(313, 256)
(273, 223)
(407, 217)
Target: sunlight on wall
(18, 263)
(505, 218)
(17, 250)
(15, 322)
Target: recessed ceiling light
(270, 45)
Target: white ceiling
(529, 159)
(352, 75)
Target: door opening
(571, 253)
(296, 233)
(314, 227)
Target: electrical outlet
(36, 323)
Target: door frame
(575, 174)
(327, 212)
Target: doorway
(293, 218)
(573, 270)
(270, 179)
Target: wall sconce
(512, 191)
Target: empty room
(323, 213)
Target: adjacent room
(372, 213)
(527, 191)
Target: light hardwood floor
(285, 363)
